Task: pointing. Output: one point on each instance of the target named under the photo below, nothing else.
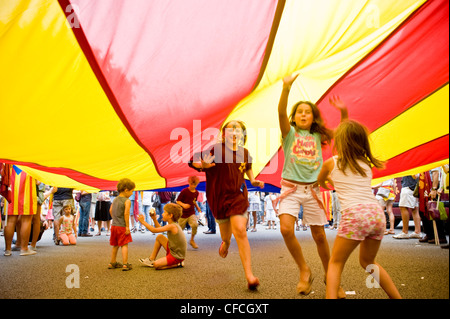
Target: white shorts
(253, 207)
(312, 213)
(270, 215)
(407, 198)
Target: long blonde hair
(351, 142)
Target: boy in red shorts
(175, 243)
(120, 229)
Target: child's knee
(287, 230)
(319, 236)
(240, 232)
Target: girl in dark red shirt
(225, 164)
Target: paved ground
(420, 271)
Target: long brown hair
(318, 125)
(351, 142)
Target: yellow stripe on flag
(75, 127)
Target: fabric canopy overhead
(94, 91)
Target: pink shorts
(363, 221)
(170, 259)
(118, 237)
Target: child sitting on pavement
(175, 243)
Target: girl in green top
(303, 133)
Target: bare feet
(253, 284)
(193, 244)
(223, 250)
(304, 286)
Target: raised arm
(157, 228)
(282, 104)
(339, 105)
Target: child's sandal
(126, 267)
(114, 265)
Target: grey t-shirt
(118, 211)
(177, 243)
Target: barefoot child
(188, 201)
(120, 228)
(174, 244)
(363, 222)
(303, 133)
(225, 164)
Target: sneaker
(146, 262)
(85, 235)
(402, 235)
(27, 252)
(415, 235)
(7, 253)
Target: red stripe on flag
(32, 195)
(21, 192)
(431, 152)
(12, 183)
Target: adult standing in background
(409, 205)
(85, 208)
(165, 198)
(146, 206)
(21, 209)
(211, 221)
(386, 200)
(102, 212)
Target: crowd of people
(358, 208)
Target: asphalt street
(420, 271)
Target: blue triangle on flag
(18, 170)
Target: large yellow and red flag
(94, 91)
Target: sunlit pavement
(420, 271)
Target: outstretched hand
(339, 105)
(337, 102)
(289, 79)
(207, 161)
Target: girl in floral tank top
(68, 227)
